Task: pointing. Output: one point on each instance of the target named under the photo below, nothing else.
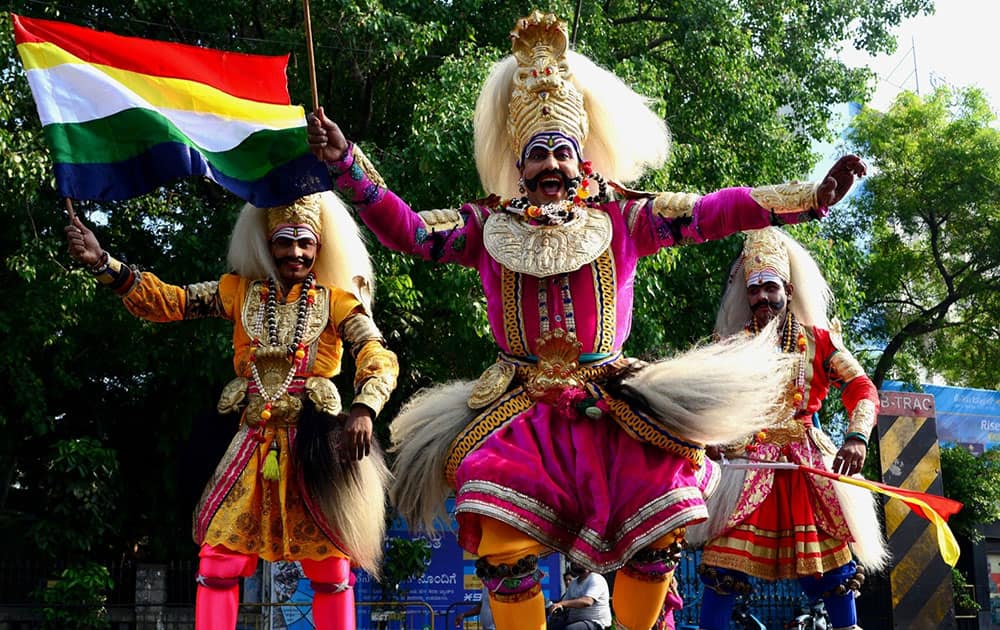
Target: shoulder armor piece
(671, 205)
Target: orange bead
(762, 436)
(797, 397)
(265, 415)
(300, 354)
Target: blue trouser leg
(839, 606)
(719, 596)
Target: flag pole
(69, 208)
(310, 54)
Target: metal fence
(21, 581)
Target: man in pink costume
(563, 444)
(300, 480)
(788, 524)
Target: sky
(957, 44)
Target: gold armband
(441, 220)
(785, 198)
(862, 419)
(672, 205)
(358, 328)
(202, 300)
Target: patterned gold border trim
(511, 289)
(475, 433)
(646, 430)
(605, 291)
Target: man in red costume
(781, 524)
(300, 480)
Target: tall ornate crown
(763, 254)
(305, 211)
(543, 97)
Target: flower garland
(559, 212)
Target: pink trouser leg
(333, 593)
(218, 600)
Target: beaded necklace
(544, 324)
(295, 351)
(792, 340)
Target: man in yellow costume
(300, 480)
(564, 444)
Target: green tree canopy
(929, 221)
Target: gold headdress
(543, 98)
(765, 256)
(545, 87)
(772, 250)
(304, 211)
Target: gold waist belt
(541, 381)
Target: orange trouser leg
(522, 608)
(217, 601)
(642, 586)
(333, 592)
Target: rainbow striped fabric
(123, 115)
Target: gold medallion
(492, 383)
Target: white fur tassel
(718, 393)
(420, 436)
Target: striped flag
(123, 115)
(934, 508)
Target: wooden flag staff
(311, 56)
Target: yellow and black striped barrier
(921, 589)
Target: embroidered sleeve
(437, 235)
(667, 219)
(376, 367)
(154, 300)
(858, 392)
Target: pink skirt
(583, 487)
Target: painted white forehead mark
(293, 232)
(550, 141)
(763, 277)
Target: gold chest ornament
(547, 250)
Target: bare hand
(83, 245)
(850, 458)
(357, 442)
(326, 140)
(839, 179)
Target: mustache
(302, 260)
(532, 184)
(774, 306)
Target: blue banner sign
(967, 417)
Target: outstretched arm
(674, 218)
(435, 235)
(144, 295)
